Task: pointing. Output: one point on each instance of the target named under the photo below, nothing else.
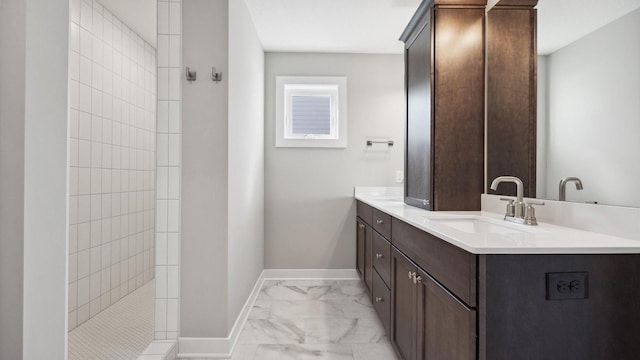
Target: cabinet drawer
(382, 223)
(382, 301)
(451, 266)
(382, 258)
(365, 212)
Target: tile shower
(112, 162)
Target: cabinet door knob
(412, 274)
(379, 299)
(417, 279)
(361, 226)
(379, 222)
(378, 256)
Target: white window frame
(333, 86)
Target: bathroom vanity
(467, 285)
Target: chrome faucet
(563, 186)
(517, 210)
(518, 206)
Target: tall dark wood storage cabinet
(444, 86)
(512, 82)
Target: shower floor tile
(314, 319)
(120, 332)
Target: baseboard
(222, 348)
(219, 348)
(324, 274)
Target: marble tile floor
(313, 319)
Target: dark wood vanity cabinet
(428, 322)
(374, 258)
(381, 296)
(364, 252)
(444, 87)
(446, 326)
(397, 264)
(525, 314)
(438, 301)
(404, 306)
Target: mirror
(588, 102)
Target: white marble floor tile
(345, 331)
(339, 291)
(244, 352)
(304, 352)
(307, 309)
(261, 310)
(358, 307)
(307, 283)
(313, 319)
(379, 351)
(282, 292)
(268, 331)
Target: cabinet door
(360, 248)
(446, 327)
(368, 258)
(403, 306)
(418, 131)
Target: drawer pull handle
(412, 274)
(417, 279)
(378, 299)
(379, 222)
(378, 256)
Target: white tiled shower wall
(112, 141)
(168, 167)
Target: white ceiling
(139, 15)
(373, 26)
(346, 26)
(561, 22)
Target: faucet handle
(530, 212)
(511, 207)
(539, 203)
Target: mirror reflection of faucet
(562, 191)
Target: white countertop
(487, 233)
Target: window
(311, 111)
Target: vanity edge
(543, 239)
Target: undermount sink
(478, 225)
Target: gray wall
(246, 157)
(593, 94)
(34, 43)
(45, 179)
(204, 171)
(12, 66)
(309, 205)
(223, 166)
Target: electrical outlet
(566, 286)
(399, 176)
